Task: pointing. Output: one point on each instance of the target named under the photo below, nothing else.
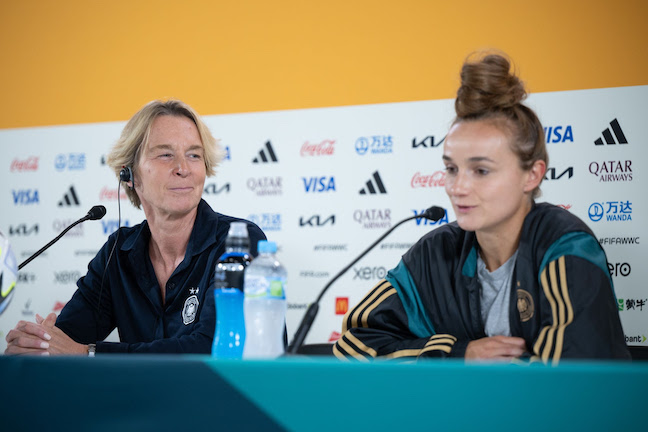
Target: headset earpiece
(126, 175)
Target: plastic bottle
(265, 304)
(229, 337)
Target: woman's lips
(463, 209)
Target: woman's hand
(496, 348)
(41, 338)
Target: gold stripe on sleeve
(439, 336)
(338, 354)
(560, 338)
(357, 342)
(555, 305)
(378, 289)
(383, 297)
(545, 330)
(445, 340)
(540, 340)
(555, 289)
(346, 347)
(439, 347)
(403, 353)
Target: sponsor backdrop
(324, 183)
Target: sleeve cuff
(459, 349)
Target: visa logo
(423, 221)
(25, 196)
(110, 226)
(319, 184)
(558, 134)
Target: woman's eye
(450, 169)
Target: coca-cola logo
(29, 164)
(435, 180)
(326, 147)
(108, 194)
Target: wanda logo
(326, 147)
(435, 180)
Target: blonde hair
(491, 91)
(127, 150)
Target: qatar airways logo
(29, 164)
(612, 171)
(265, 186)
(324, 148)
(60, 224)
(434, 180)
(109, 194)
(373, 218)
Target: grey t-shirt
(495, 296)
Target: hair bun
(488, 85)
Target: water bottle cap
(238, 229)
(266, 246)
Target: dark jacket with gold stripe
(562, 299)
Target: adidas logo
(609, 139)
(69, 199)
(262, 154)
(371, 189)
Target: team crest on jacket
(525, 305)
(189, 310)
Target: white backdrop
(323, 184)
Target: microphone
(95, 213)
(433, 213)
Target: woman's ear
(535, 175)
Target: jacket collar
(203, 234)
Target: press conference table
(196, 393)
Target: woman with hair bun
(510, 278)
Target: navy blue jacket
(130, 299)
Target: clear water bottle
(229, 337)
(265, 304)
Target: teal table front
(119, 393)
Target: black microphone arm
(434, 213)
(95, 213)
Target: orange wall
(78, 61)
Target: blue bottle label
(229, 338)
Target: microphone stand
(92, 214)
(433, 213)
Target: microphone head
(434, 213)
(97, 212)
